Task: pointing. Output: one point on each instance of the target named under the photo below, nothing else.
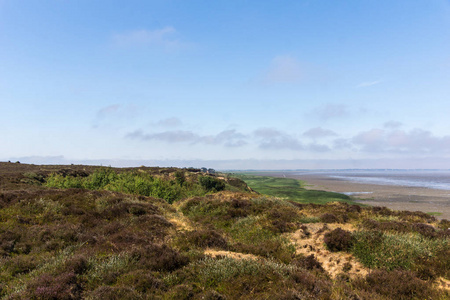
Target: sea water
(439, 179)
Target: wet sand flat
(392, 196)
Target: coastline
(391, 196)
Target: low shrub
(206, 239)
(425, 230)
(77, 264)
(354, 208)
(338, 240)
(308, 262)
(329, 218)
(138, 183)
(282, 219)
(251, 236)
(311, 286)
(159, 258)
(142, 281)
(407, 251)
(113, 293)
(347, 267)
(444, 224)
(20, 264)
(211, 183)
(399, 285)
(47, 286)
(213, 271)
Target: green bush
(139, 183)
(211, 183)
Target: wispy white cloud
(377, 141)
(169, 122)
(319, 132)
(331, 111)
(392, 124)
(108, 110)
(369, 83)
(114, 113)
(270, 138)
(165, 37)
(284, 69)
(228, 138)
(416, 141)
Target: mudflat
(391, 196)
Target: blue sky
(227, 84)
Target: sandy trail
(332, 262)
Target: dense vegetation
(71, 232)
(139, 182)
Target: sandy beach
(391, 196)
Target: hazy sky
(243, 82)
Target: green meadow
(290, 189)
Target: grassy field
(290, 189)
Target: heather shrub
(8, 241)
(311, 286)
(444, 224)
(47, 286)
(338, 240)
(308, 262)
(354, 208)
(329, 218)
(77, 264)
(399, 285)
(282, 218)
(205, 239)
(20, 264)
(211, 295)
(383, 211)
(113, 293)
(425, 230)
(414, 216)
(395, 226)
(154, 224)
(159, 258)
(142, 281)
(347, 267)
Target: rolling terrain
(85, 232)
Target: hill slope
(71, 232)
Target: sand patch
(235, 255)
(443, 283)
(310, 241)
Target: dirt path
(310, 241)
(235, 255)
